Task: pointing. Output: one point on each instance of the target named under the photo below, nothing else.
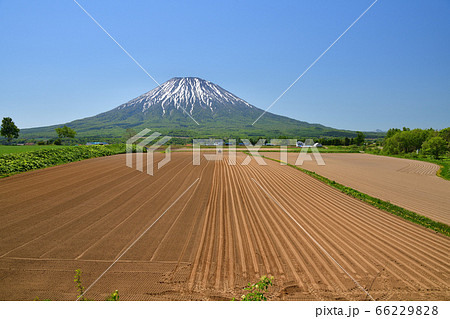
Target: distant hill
(218, 112)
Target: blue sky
(390, 70)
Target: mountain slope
(171, 107)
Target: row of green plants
(378, 203)
(14, 163)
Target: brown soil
(224, 232)
(407, 183)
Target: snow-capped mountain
(185, 94)
(211, 111)
(203, 101)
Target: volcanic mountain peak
(187, 93)
(218, 113)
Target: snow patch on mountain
(186, 93)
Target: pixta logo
(142, 141)
(253, 151)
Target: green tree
(65, 131)
(407, 141)
(391, 132)
(9, 129)
(445, 134)
(435, 146)
(255, 140)
(418, 137)
(359, 140)
(346, 141)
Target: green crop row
(21, 162)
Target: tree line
(358, 140)
(431, 142)
(427, 142)
(10, 130)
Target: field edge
(376, 202)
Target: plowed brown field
(407, 183)
(222, 233)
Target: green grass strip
(376, 202)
